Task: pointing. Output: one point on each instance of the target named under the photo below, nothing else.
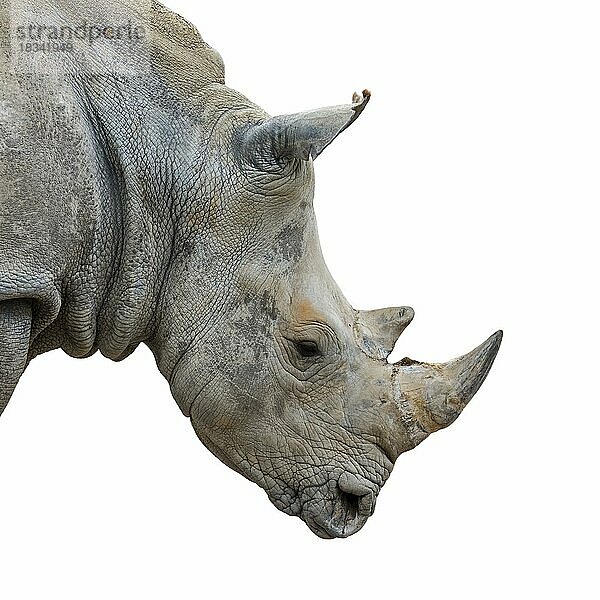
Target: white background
(468, 189)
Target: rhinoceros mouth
(350, 506)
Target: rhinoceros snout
(351, 503)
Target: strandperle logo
(91, 37)
(41, 36)
(90, 44)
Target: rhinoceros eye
(307, 349)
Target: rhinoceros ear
(300, 136)
(376, 331)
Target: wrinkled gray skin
(169, 209)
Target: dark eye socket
(307, 349)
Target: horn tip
(482, 359)
(489, 348)
(495, 339)
(408, 313)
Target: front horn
(431, 396)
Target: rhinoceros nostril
(355, 496)
(351, 502)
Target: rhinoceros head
(284, 381)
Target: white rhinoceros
(142, 200)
